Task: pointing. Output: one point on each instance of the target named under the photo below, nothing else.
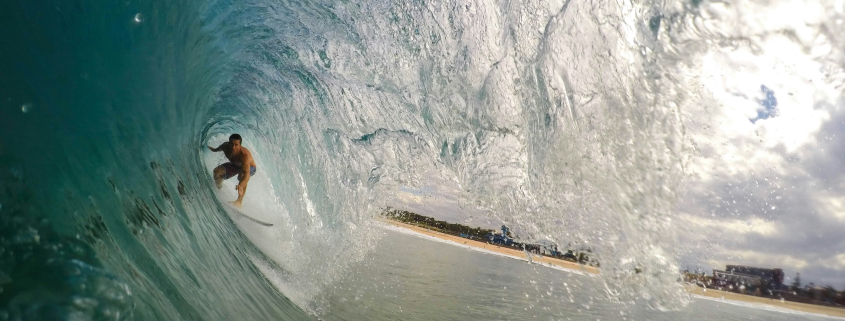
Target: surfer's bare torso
(237, 158)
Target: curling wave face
(563, 119)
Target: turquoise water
(561, 119)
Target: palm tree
(796, 283)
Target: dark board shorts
(233, 170)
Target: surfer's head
(235, 140)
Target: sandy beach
(695, 290)
(796, 306)
(498, 249)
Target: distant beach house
(753, 277)
(502, 239)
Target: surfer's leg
(239, 201)
(219, 172)
(224, 171)
(240, 195)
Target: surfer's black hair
(236, 137)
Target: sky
(766, 182)
(441, 202)
(766, 186)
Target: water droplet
(138, 18)
(25, 108)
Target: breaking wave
(563, 119)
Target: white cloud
(749, 257)
(408, 198)
(831, 205)
(734, 78)
(734, 227)
(836, 263)
(768, 192)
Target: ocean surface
(410, 278)
(562, 119)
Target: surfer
(240, 163)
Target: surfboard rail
(241, 213)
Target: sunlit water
(409, 278)
(565, 120)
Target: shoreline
(572, 267)
(495, 249)
(764, 303)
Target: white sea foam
(546, 118)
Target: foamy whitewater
(573, 122)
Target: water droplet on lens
(25, 108)
(138, 17)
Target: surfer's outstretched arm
(241, 187)
(219, 148)
(244, 178)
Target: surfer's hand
(240, 188)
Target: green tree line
(477, 232)
(431, 223)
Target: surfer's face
(236, 145)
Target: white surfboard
(247, 216)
